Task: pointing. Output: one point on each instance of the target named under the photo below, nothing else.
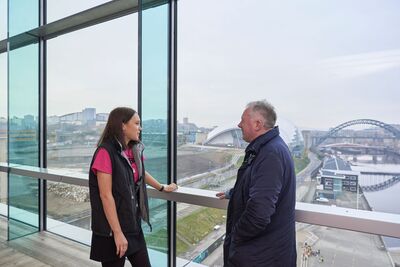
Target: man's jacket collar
(255, 145)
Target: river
(386, 200)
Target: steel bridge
(380, 186)
(334, 131)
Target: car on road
(322, 199)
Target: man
(260, 228)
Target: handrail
(372, 222)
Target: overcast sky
(320, 63)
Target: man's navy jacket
(260, 227)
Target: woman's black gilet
(123, 190)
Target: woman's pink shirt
(102, 163)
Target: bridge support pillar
(375, 159)
(354, 158)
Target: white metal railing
(371, 222)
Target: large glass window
(28, 10)
(331, 81)
(23, 103)
(58, 9)
(23, 139)
(3, 108)
(3, 131)
(89, 72)
(154, 80)
(3, 19)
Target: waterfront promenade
(338, 247)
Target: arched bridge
(357, 149)
(333, 132)
(386, 184)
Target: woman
(118, 196)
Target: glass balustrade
(319, 245)
(201, 230)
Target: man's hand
(221, 195)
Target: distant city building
(52, 120)
(189, 133)
(3, 129)
(29, 122)
(71, 117)
(336, 176)
(201, 137)
(231, 135)
(15, 121)
(88, 115)
(154, 126)
(102, 116)
(226, 136)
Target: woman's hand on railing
(171, 187)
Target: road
(303, 179)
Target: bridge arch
(380, 186)
(383, 125)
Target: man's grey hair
(266, 110)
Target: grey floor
(41, 249)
